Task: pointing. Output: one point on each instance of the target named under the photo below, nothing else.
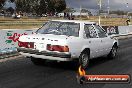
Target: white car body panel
(98, 46)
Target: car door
(104, 41)
(92, 40)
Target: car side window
(90, 31)
(100, 31)
(70, 29)
(74, 27)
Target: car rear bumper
(45, 55)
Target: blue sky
(9, 4)
(93, 4)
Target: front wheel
(84, 59)
(113, 53)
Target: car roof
(76, 21)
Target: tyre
(84, 59)
(37, 61)
(113, 52)
(81, 80)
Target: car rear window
(60, 28)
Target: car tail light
(22, 44)
(57, 48)
(30, 45)
(26, 44)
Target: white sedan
(67, 40)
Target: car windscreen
(60, 28)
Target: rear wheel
(113, 52)
(84, 59)
(38, 61)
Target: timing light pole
(100, 7)
(127, 9)
(108, 7)
(79, 1)
(80, 9)
(80, 12)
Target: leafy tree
(118, 12)
(69, 10)
(40, 6)
(12, 0)
(1, 3)
(59, 5)
(86, 11)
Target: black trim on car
(45, 53)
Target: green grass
(25, 23)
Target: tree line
(118, 12)
(1, 3)
(38, 6)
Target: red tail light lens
(57, 48)
(30, 45)
(26, 44)
(22, 44)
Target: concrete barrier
(9, 41)
(125, 30)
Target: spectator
(128, 21)
(2, 12)
(65, 14)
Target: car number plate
(40, 46)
